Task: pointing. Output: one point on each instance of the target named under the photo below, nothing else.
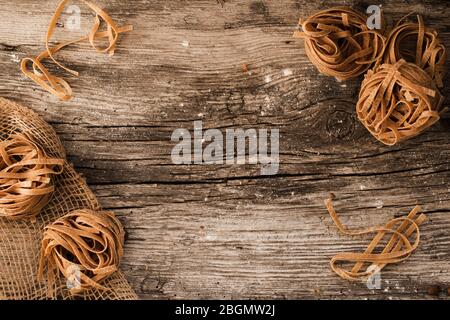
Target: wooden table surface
(226, 231)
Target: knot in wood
(340, 124)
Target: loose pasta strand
(398, 248)
(57, 85)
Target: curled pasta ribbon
(339, 43)
(429, 53)
(57, 85)
(398, 248)
(84, 246)
(398, 101)
(26, 172)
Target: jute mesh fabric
(20, 240)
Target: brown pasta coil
(339, 43)
(419, 44)
(26, 172)
(398, 101)
(84, 246)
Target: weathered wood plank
(202, 231)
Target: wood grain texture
(225, 231)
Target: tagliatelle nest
(25, 178)
(398, 101)
(399, 97)
(84, 246)
(429, 52)
(339, 43)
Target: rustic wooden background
(203, 231)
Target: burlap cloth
(20, 240)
